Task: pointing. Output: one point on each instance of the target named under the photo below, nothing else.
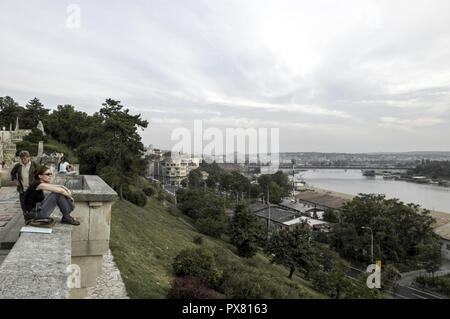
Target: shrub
(161, 194)
(149, 191)
(137, 197)
(211, 227)
(198, 240)
(35, 136)
(198, 262)
(190, 288)
(248, 283)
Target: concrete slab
(37, 266)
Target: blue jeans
(45, 209)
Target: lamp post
(371, 240)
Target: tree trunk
(291, 272)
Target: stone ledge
(36, 267)
(88, 188)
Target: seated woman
(35, 205)
(63, 165)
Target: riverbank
(442, 218)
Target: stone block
(100, 222)
(89, 247)
(81, 213)
(90, 268)
(78, 293)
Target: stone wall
(51, 254)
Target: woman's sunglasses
(48, 174)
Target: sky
(332, 76)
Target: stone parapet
(90, 240)
(37, 266)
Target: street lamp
(371, 239)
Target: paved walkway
(9, 204)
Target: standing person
(38, 207)
(22, 174)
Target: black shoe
(69, 220)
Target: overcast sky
(333, 76)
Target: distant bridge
(381, 167)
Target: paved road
(400, 292)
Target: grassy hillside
(144, 242)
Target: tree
(246, 231)
(9, 112)
(282, 180)
(430, 255)
(397, 229)
(271, 190)
(195, 179)
(330, 216)
(334, 282)
(34, 111)
(292, 249)
(115, 143)
(69, 126)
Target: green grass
(54, 145)
(49, 147)
(145, 241)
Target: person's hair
(23, 154)
(39, 171)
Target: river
(429, 196)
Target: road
(400, 292)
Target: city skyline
(367, 76)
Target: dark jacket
(16, 173)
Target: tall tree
(246, 231)
(9, 111)
(116, 144)
(34, 111)
(292, 249)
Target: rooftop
(276, 214)
(322, 199)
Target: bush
(149, 191)
(35, 136)
(190, 288)
(198, 262)
(198, 240)
(248, 283)
(161, 194)
(137, 197)
(211, 227)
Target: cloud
(409, 124)
(344, 71)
